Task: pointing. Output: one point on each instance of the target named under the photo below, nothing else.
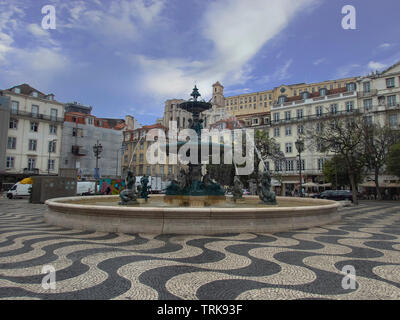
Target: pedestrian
(108, 190)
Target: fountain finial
(195, 93)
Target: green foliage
(335, 172)
(393, 161)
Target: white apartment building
(34, 132)
(379, 98)
(291, 117)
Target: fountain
(193, 203)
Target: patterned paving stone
(304, 264)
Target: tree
(265, 148)
(378, 140)
(393, 160)
(335, 172)
(342, 136)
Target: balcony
(322, 116)
(31, 171)
(38, 116)
(366, 94)
(78, 151)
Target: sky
(128, 57)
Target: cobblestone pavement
(287, 265)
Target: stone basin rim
(64, 203)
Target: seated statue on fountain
(144, 190)
(264, 189)
(128, 196)
(237, 191)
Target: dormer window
(351, 87)
(281, 99)
(305, 95)
(34, 94)
(322, 92)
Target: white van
(19, 190)
(85, 188)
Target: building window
(17, 90)
(278, 165)
(318, 111)
(334, 108)
(390, 83)
(255, 121)
(368, 120)
(32, 145)
(287, 115)
(303, 165)
(34, 94)
(52, 129)
(134, 158)
(281, 99)
(10, 162)
(289, 147)
(277, 132)
(391, 101)
(289, 165)
(169, 169)
(367, 87)
(322, 92)
(51, 164)
(141, 157)
(148, 172)
(162, 170)
(14, 107)
(368, 104)
(53, 114)
(31, 163)
(52, 146)
(90, 121)
(319, 127)
(351, 87)
(349, 106)
(299, 113)
(321, 164)
(13, 124)
(300, 129)
(12, 143)
(288, 131)
(35, 111)
(393, 120)
(34, 126)
(276, 117)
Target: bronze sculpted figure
(264, 189)
(128, 196)
(237, 191)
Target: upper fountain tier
(193, 106)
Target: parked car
(246, 192)
(336, 195)
(19, 190)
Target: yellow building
(135, 150)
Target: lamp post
(51, 142)
(97, 149)
(300, 148)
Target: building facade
(82, 131)
(4, 123)
(135, 150)
(34, 133)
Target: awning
(371, 184)
(310, 185)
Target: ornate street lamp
(300, 148)
(97, 149)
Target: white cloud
(319, 61)
(372, 65)
(237, 30)
(385, 46)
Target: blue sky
(127, 57)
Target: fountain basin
(100, 213)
